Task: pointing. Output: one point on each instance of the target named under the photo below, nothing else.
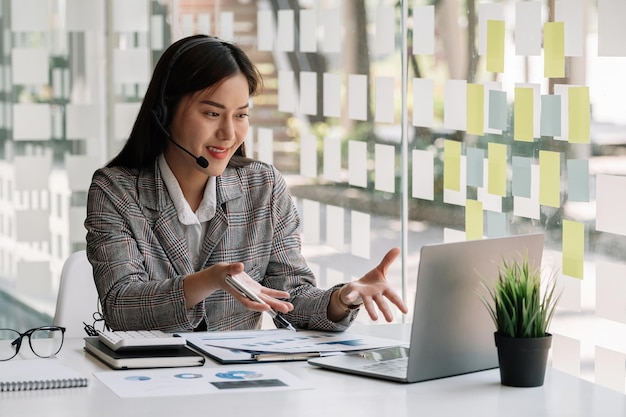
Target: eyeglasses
(45, 341)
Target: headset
(160, 110)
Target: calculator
(140, 339)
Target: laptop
(452, 331)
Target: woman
(181, 207)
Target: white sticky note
(83, 16)
(566, 354)
(131, 15)
(423, 102)
(332, 95)
(571, 12)
(611, 291)
(609, 369)
(30, 66)
(265, 141)
(82, 121)
(486, 12)
(32, 226)
(227, 29)
(265, 30)
(310, 221)
(286, 91)
(332, 159)
(131, 66)
(422, 174)
(308, 93)
(385, 166)
(357, 97)
(335, 227)
(124, 117)
(203, 23)
(80, 169)
(458, 198)
(611, 204)
(308, 156)
(491, 202)
(455, 105)
(357, 163)
(360, 234)
(24, 117)
(571, 298)
(528, 28)
(384, 39)
(24, 168)
(384, 107)
(423, 29)
(611, 28)
(308, 30)
(285, 34)
(332, 30)
(529, 207)
(30, 15)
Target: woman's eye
(243, 115)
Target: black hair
(191, 64)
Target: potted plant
(521, 312)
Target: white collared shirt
(194, 224)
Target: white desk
(334, 394)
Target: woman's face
(211, 123)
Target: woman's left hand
(373, 290)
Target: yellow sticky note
(475, 109)
(496, 164)
(573, 248)
(495, 45)
(473, 220)
(523, 124)
(550, 178)
(554, 50)
(579, 114)
(452, 165)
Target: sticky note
(308, 93)
(611, 28)
(497, 156)
(550, 178)
(487, 12)
(455, 102)
(385, 168)
(286, 91)
(308, 155)
(30, 66)
(475, 109)
(572, 13)
(496, 224)
(357, 163)
(523, 124)
(452, 165)
(332, 30)
(578, 180)
(335, 226)
(610, 290)
(473, 220)
(521, 176)
(528, 35)
(495, 45)
(360, 234)
(573, 248)
(475, 166)
(332, 159)
(554, 50)
(332, 95)
(611, 204)
(385, 102)
(265, 30)
(285, 33)
(579, 115)
(497, 110)
(423, 102)
(424, 30)
(550, 124)
(423, 174)
(308, 30)
(357, 97)
(384, 39)
(311, 221)
(529, 207)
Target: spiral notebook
(36, 374)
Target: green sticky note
(573, 248)
(497, 110)
(550, 115)
(495, 45)
(473, 220)
(475, 109)
(579, 115)
(523, 122)
(554, 50)
(496, 165)
(550, 178)
(452, 165)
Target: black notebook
(143, 358)
(36, 374)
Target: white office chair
(77, 299)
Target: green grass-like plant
(515, 301)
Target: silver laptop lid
(452, 332)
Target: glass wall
(396, 123)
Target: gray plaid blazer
(139, 254)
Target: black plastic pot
(522, 361)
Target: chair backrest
(77, 299)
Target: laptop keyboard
(394, 367)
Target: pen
(243, 290)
